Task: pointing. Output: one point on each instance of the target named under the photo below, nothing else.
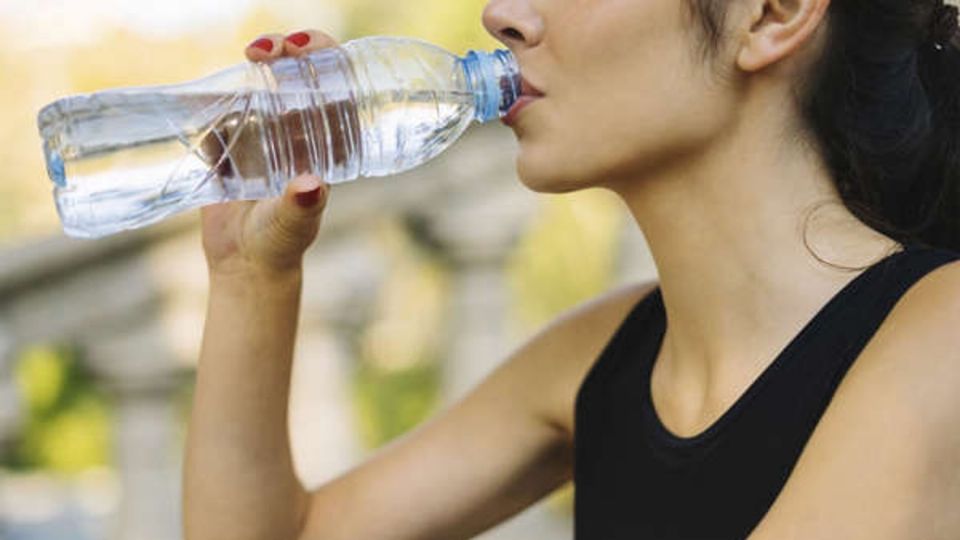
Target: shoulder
(560, 354)
(882, 460)
(938, 290)
(586, 327)
(923, 323)
(915, 354)
(594, 321)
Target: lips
(528, 94)
(527, 89)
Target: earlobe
(755, 53)
(777, 29)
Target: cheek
(585, 152)
(578, 141)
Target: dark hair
(882, 106)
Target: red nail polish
(300, 39)
(309, 199)
(264, 44)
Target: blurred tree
(453, 25)
(566, 257)
(396, 382)
(67, 428)
(390, 403)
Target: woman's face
(625, 92)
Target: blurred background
(418, 286)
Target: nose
(513, 22)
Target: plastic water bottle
(125, 158)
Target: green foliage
(67, 424)
(396, 382)
(41, 375)
(391, 402)
(566, 257)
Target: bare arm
(239, 481)
(473, 465)
(239, 478)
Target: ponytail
(940, 72)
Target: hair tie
(946, 20)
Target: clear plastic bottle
(125, 158)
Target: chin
(551, 175)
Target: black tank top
(636, 480)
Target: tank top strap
(631, 340)
(886, 287)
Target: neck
(726, 231)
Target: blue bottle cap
(494, 78)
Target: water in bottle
(376, 106)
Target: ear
(778, 28)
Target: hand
(268, 236)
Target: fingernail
(264, 44)
(309, 199)
(300, 39)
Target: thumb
(305, 197)
(302, 204)
(294, 217)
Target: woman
(794, 169)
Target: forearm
(239, 480)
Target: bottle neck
(494, 80)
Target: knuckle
(319, 40)
(322, 38)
